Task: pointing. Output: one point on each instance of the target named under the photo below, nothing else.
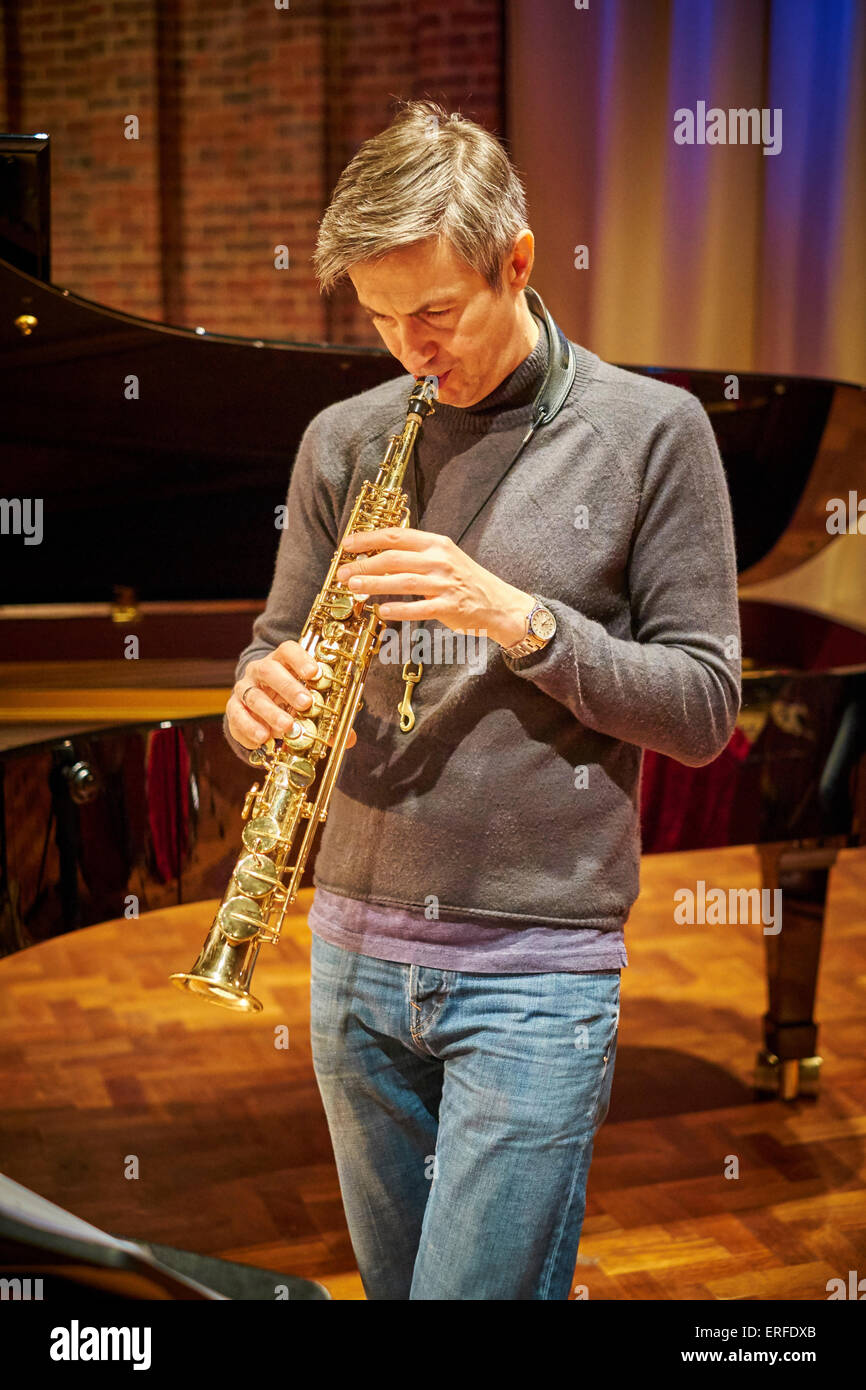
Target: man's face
(439, 317)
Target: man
(476, 871)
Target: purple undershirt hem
(409, 938)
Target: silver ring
(244, 696)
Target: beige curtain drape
(712, 256)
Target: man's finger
(350, 741)
(403, 537)
(387, 562)
(368, 585)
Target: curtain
(703, 255)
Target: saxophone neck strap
(561, 367)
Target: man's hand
(455, 589)
(278, 691)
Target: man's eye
(430, 314)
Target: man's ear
(518, 266)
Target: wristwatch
(540, 627)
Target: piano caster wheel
(787, 1080)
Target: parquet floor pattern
(160, 1117)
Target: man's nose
(417, 348)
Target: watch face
(543, 624)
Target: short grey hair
(429, 174)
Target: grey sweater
(513, 803)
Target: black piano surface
(156, 502)
(165, 492)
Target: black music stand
(40, 1241)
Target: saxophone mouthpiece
(425, 393)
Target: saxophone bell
(222, 972)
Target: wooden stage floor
(101, 1058)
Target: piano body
(157, 451)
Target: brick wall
(246, 116)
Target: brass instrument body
(343, 632)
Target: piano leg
(787, 1065)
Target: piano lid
(165, 493)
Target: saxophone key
(324, 680)
(239, 919)
(261, 757)
(316, 707)
(302, 737)
(256, 875)
(340, 605)
(301, 772)
(261, 834)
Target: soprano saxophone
(344, 632)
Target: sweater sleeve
(306, 545)
(675, 685)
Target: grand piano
(160, 452)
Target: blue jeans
(462, 1110)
